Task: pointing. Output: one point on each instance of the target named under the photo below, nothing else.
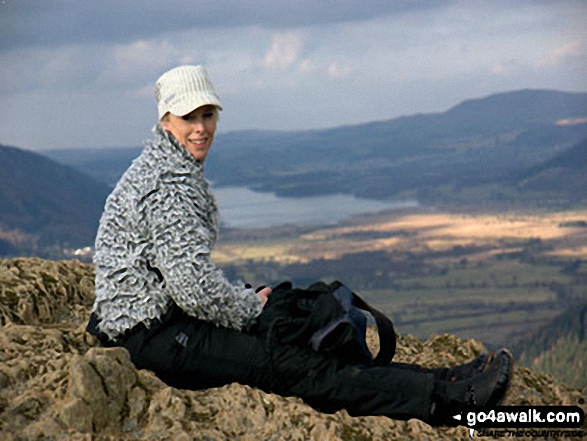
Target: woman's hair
(216, 113)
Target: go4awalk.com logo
(517, 421)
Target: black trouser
(187, 353)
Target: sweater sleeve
(182, 240)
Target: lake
(244, 208)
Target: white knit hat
(184, 89)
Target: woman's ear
(165, 121)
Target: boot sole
(505, 380)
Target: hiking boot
(464, 371)
(486, 389)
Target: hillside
(510, 149)
(465, 154)
(461, 156)
(106, 165)
(566, 173)
(558, 345)
(55, 384)
(44, 204)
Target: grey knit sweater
(154, 242)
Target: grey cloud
(61, 22)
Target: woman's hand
(264, 294)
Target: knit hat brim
(188, 104)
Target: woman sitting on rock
(159, 295)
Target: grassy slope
(559, 345)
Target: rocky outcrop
(37, 291)
(56, 384)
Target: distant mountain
(575, 158)
(469, 154)
(516, 147)
(559, 348)
(106, 164)
(44, 204)
(566, 173)
(511, 111)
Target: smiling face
(194, 131)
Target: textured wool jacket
(154, 242)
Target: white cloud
(336, 71)
(307, 66)
(285, 50)
(344, 71)
(498, 69)
(560, 54)
(139, 59)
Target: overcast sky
(81, 73)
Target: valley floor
(490, 276)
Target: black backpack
(325, 317)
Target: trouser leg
(439, 372)
(329, 385)
(192, 354)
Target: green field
(495, 304)
(494, 278)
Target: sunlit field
(419, 232)
(490, 276)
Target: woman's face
(194, 131)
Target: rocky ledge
(56, 384)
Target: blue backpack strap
(385, 329)
(351, 320)
(345, 333)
